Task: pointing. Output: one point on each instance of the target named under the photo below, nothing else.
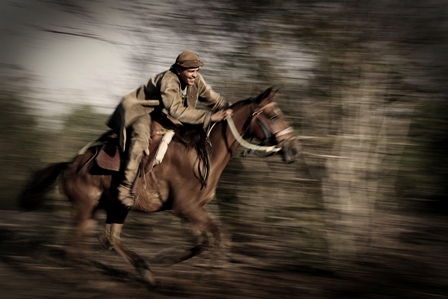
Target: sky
(82, 58)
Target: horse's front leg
(202, 224)
(110, 240)
(199, 223)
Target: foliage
(80, 126)
(25, 147)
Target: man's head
(187, 66)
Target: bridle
(270, 128)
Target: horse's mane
(242, 102)
(194, 136)
(190, 135)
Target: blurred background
(362, 214)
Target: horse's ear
(267, 96)
(274, 90)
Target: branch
(86, 35)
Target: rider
(177, 90)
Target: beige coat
(165, 89)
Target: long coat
(165, 89)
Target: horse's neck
(224, 144)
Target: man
(177, 90)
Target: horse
(174, 184)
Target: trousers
(138, 143)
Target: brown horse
(172, 185)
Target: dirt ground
(32, 264)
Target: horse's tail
(40, 183)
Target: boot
(139, 144)
(125, 195)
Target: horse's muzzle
(290, 150)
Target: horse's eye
(274, 117)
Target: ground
(32, 264)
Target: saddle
(109, 156)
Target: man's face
(188, 75)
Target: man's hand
(221, 114)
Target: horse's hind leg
(84, 197)
(84, 226)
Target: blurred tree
(20, 139)
(80, 126)
(365, 93)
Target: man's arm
(211, 98)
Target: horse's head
(268, 125)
